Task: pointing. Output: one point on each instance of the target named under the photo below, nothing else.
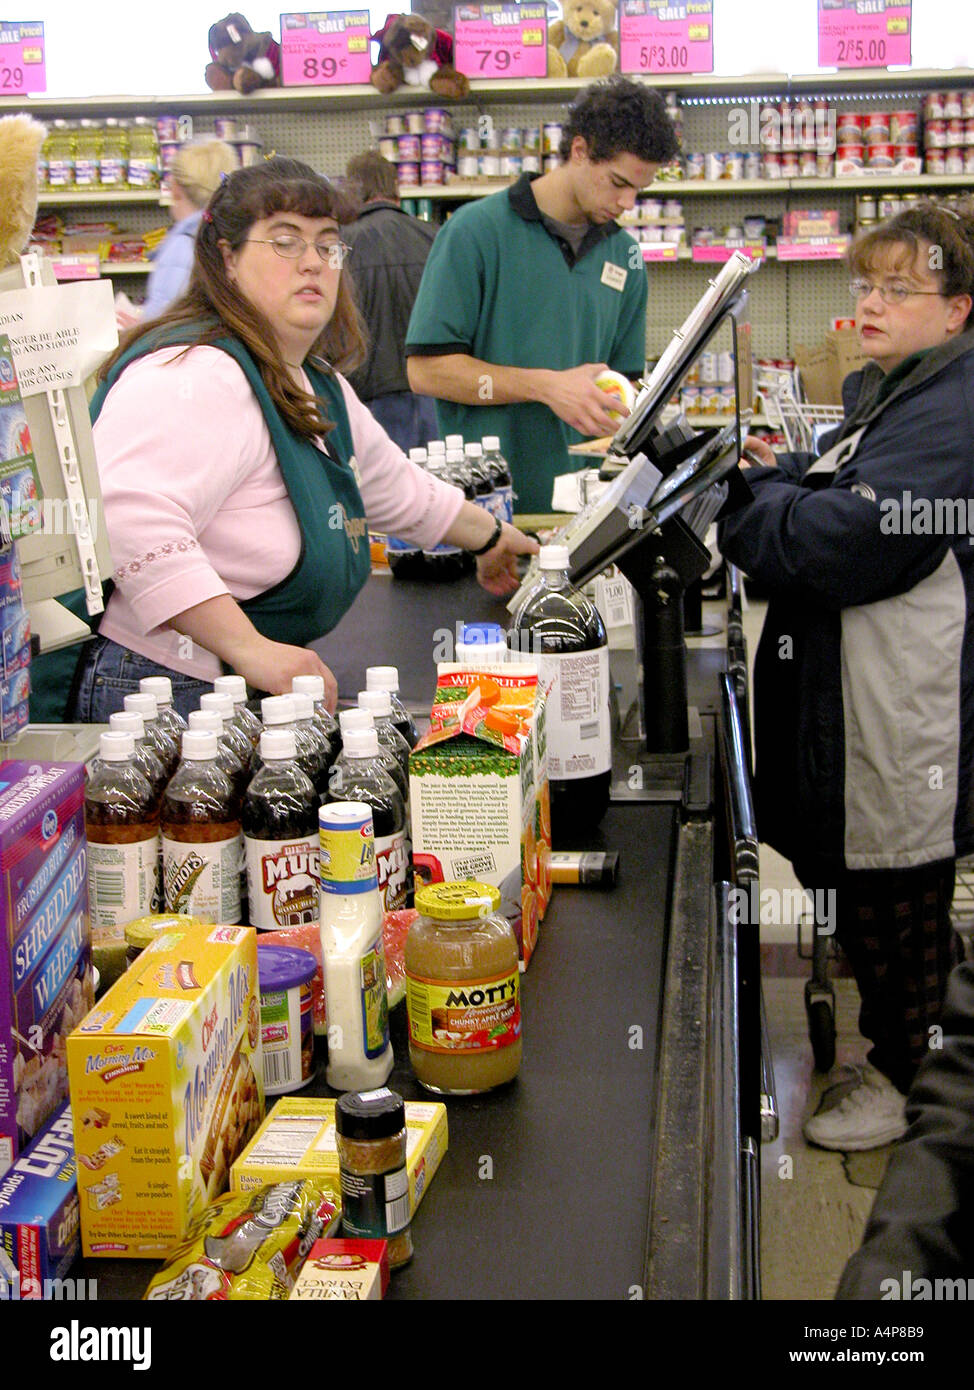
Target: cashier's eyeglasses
(889, 294)
(334, 252)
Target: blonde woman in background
(192, 179)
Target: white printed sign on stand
(58, 335)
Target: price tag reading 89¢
(22, 65)
(501, 40)
(320, 50)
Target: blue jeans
(109, 672)
(408, 420)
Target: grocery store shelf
(114, 268)
(482, 188)
(707, 87)
(64, 197)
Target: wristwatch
(494, 538)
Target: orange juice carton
(298, 1140)
(167, 1087)
(46, 979)
(478, 789)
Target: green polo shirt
(499, 286)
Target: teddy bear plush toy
(21, 139)
(411, 51)
(242, 61)
(585, 42)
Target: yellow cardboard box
(297, 1140)
(168, 1063)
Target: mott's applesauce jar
(463, 997)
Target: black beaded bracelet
(494, 538)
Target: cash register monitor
(49, 558)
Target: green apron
(334, 562)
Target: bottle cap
(382, 678)
(116, 746)
(310, 685)
(209, 720)
(220, 701)
(435, 446)
(144, 704)
(199, 745)
(417, 455)
(277, 744)
(370, 1114)
(554, 557)
(234, 686)
(378, 702)
(128, 722)
(491, 442)
(457, 901)
(473, 450)
(160, 687)
(454, 441)
(335, 815)
(304, 705)
(482, 642)
(277, 709)
(454, 456)
(355, 719)
(360, 742)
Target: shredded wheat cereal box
(167, 1087)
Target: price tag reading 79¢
(22, 66)
(320, 50)
(656, 36)
(501, 40)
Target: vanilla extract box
(167, 1087)
(478, 788)
(46, 979)
(298, 1140)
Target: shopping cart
(800, 422)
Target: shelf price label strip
(22, 64)
(321, 50)
(853, 34)
(656, 36)
(503, 40)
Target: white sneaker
(870, 1115)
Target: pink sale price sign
(22, 66)
(320, 50)
(864, 33)
(501, 40)
(657, 36)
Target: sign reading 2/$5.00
(854, 35)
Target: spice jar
(462, 990)
(370, 1131)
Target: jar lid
(453, 902)
(283, 967)
(143, 929)
(370, 1114)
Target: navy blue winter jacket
(864, 675)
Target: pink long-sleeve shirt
(195, 502)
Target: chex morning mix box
(166, 1088)
(46, 980)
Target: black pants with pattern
(894, 927)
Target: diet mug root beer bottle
(201, 841)
(280, 826)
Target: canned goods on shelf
(168, 149)
(851, 154)
(511, 138)
(725, 367)
(849, 128)
(903, 127)
(431, 172)
(709, 400)
(880, 157)
(752, 165)
(954, 160)
(935, 134)
(708, 368)
(726, 400)
(415, 122)
(551, 133)
(532, 138)
(866, 206)
(876, 128)
(771, 165)
(551, 161)
(789, 164)
(436, 120)
(653, 231)
(468, 139)
(967, 104)
(754, 227)
(396, 125)
(512, 165)
(824, 166)
(490, 136)
(409, 148)
(807, 164)
(953, 105)
(389, 148)
(430, 146)
(672, 208)
(695, 166)
(408, 174)
(531, 163)
(955, 132)
(969, 159)
(690, 400)
(933, 106)
(225, 127)
(468, 165)
(490, 165)
(166, 128)
(935, 161)
(733, 165)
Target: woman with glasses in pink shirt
(240, 473)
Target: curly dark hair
(619, 116)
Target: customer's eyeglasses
(333, 252)
(889, 294)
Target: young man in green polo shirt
(529, 294)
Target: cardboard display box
(824, 368)
(39, 1236)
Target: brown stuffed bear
(411, 51)
(242, 60)
(20, 146)
(585, 43)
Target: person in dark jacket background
(864, 675)
(389, 253)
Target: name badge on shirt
(614, 276)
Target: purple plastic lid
(283, 967)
